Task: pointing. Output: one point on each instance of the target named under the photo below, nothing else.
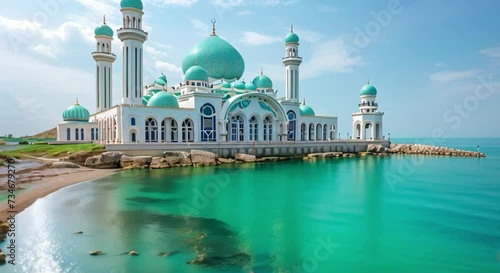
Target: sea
(390, 214)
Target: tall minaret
(367, 122)
(132, 36)
(292, 62)
(104, 66)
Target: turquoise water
(367, 214)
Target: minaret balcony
(368, 105)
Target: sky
(435, 63)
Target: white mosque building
(212, 105)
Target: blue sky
(435, 63)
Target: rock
(203, 158)
(166, 254)
(159, 163)
(245, 158)
(78, 232)
(62, 164)
(135, 162)
(96, 253)
(133, 253)
(4, 228)
(80, 157)
(2, 258)
(107, 160)
(226, 160)
(177, 158)
(239, 259)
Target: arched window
(325, 131)
(68, 134)
(132, 121)
(208, 123)
(133, 137)
(311, 132)
(151, 130)
(82, 136)
(332, 132)
(133, 22)
(92, 134)
(76, 133)
(319, 129)
(174, 131)
(303, 132)
(187, 131)
(96, 133)
(291, 125)
(139, 24)
(254, 132)
(268, 128)
(168, 130)
(237, 128)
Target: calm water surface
(370, 214)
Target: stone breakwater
(422, 149)
(203, 158)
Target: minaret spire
(104, 19)
(291, 29)
(213, 27)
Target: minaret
(133, 37)
(367, 122)
(104, 66)
(292, 62)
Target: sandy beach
(43, 180)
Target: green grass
(53, 151)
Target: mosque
(212, 104)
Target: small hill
(51, 133)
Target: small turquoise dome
(163, 99)
(239, 85)
(145, 99)
(76, 113)
(251, 87)
(368, 90)
(218, 57)
(226, 84)
(306, 110)
(160, 82)
(103, 30)
(292, 38)
(196, 73)
(131, 4)
(263, 82)
(163, 77)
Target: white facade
(202, 109)
(367, 122)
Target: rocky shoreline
(195, 158)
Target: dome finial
(291, 29)
(262, 71)
(104, 19)
(76, 103)
(213, 27)
(368, 81)
(303, 101)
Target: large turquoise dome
(306, 110)
(196, 73)
(291, 38)
(76, 112)
(131, 4)
(262, 82)
(368, 90)
(103, 30)
(219, 58)
(163, 99)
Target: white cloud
(245, 12)
(201, 27)
(181, 3)
(280, 2)
(256, 39)
(330, 56)
(307, 35)
(450, 76)
(44, 50)
(227, 3)
(168, 67)
(154, 51)
(100, 7)
(493, 52)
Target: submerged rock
(239, 259)
(133, 253)
(96, 253)
(62, 164)
(167, 254)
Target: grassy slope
(51, 151)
